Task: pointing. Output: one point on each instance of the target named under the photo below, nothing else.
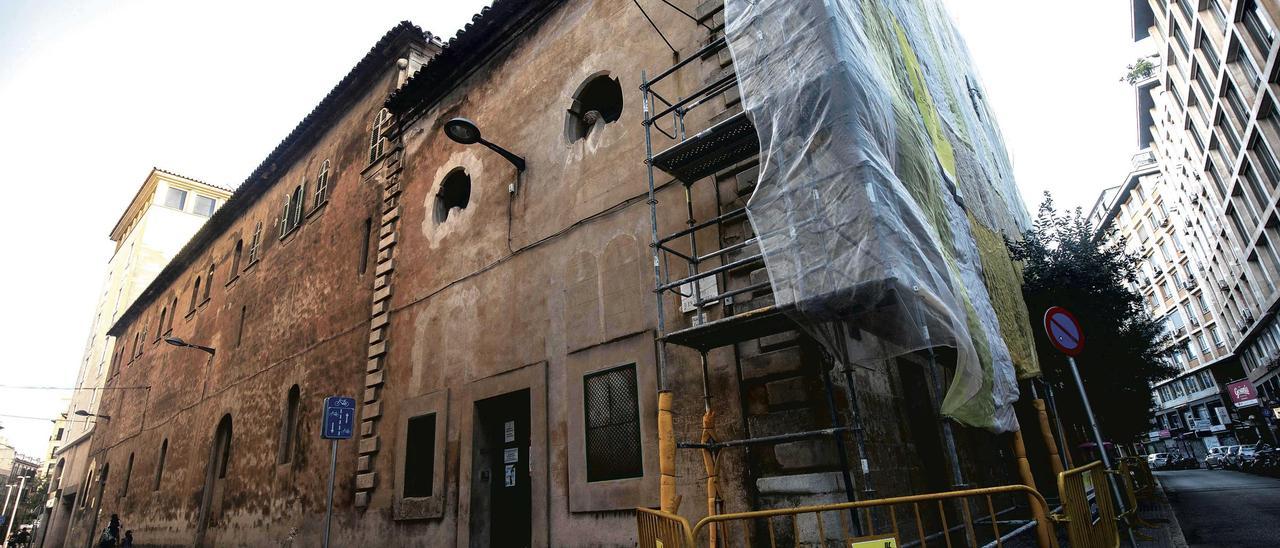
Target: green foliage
(1064, 265)
(1139, 70)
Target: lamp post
(179, 342)
(464, 131)
(17, 501)
(83, 413)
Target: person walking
(127, 541)
(111, 534)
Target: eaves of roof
(382, 53)
(488, 33)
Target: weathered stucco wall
(524, 291)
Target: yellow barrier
(658, 529)
(1087, 507)
(1137, 481)
(927, 514)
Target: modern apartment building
(1146, 210)
(1209, 117)
(167, 209)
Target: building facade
(1209, 116)
(1191, 413)
(14, 466)
(492, 314)
(167, 209)
(57, 437)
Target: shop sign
(1242, 393)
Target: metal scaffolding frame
(682, 262)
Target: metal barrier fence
(658, 529)
(967, 517)
(1087, 508)
(1137, 482)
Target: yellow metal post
(668, 501)
(1024, 470)
(712, 467)
(1055, 462)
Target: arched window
(284, 216)
(173, 305)
(128, 472)
(299, 196)
(195, 294)
(208, 283)
(454, 193)
(597, 102)
(255, 244)
(375, 134)
(291, 215)
(222, 446)
(289, 425)
(164, 312)
(164, 452)
(322, 185)
(235, 260)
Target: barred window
(613, 424)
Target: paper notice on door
(509, 432)
(510, 455)
(510, 480)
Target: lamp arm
(515, 160)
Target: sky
(94, 93)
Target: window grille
(613, 424)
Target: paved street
(1224, 508)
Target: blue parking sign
(339, 418)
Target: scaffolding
(697, 270)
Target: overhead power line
(11, 387)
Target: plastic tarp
(885, 190)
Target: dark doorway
(501, 499)
(214, 479)
(923, 422)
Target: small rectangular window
(175, 198)
(204, 205)
(364, 245)
(613, 424)
(420, 456)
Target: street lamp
(179, 342)
(83, 413)
(464, 131)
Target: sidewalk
(1167, 533)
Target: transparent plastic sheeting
(881, 171)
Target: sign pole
(1102, 448)
(338, 423)
(328, 509)
(1066, 335)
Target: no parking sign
(1063, 330)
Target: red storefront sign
(1242, 393)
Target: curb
(1176, 538)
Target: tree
(1140, 70)
(1065, 263)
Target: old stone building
(493, 313)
